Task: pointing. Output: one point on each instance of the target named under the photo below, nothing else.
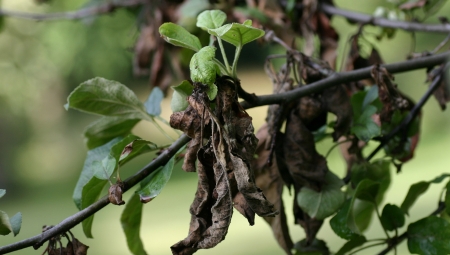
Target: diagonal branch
(70, 222)
(74, 15)
(382, 22)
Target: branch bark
(70, 222)
(74, 15)
(381, 22)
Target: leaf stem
(236, 58)
(334, 146)
(224, 56)
(222, 68)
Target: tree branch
(74, 15)
(344, 77)
(70, 222)
(381, 22)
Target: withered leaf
(115, 193)
(336, 101)
(79, 248)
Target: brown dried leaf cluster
(224, 144)
(73, 247)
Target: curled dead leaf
(115, 193)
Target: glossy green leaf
(87, 173)
(354, 242)
(107, 128)
(105, 168)
(316, 247)
(211, 19)
(179, 36)
(237, 34)
(153, 102)
(416, 190)
(108, 98)
(2, 192)
(364, 127)
(131, 225)
(91, 193)
(392, 217)
(154, 183)
(135, 148)
(179, 98)
(429, 236)
(339, 222)
(203, 68)
(5, 224)
(320, 205)
(16, 223)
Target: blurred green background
(42, 150)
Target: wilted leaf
(115, 193)
(237, 34)
(153, 103)
(135, 148)
(320, 205)
(154, 183)
(178, 36)
(203, 68)
(131, 225)
(354, 242)
(211, 19)
(108, 98)
(106, 128)
(392, 217)
(337, 101)
(428, 236)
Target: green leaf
(135, 148)
(178, 36)
(108, 98)
(131, 225)
(107, 128)
(153, 103)
(354, 242)
(339, 222)
(370, 97)
(203, 68)
(447, 198)
(179, 98)
(2, 192)
(320, 205)
(212, 91)
(237, 34)
(320, 134)
(416, 190)
(429, 236)
(367, 190)
(392, 217)
(154, 183)
(16, 223)
(316, 247)
(211, 19)
(364, 127)
(5, 224)
(91, 192)
(87, 173)
(104, 169)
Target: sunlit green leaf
(154, 183)
(178, 36)
(108, 98)
(203, 69)
(237, 34)
(91, 193)
(211, 19)
(131, 225)
(392, 217)
(87, 173)
(354, 242)
(179, 98)
(16, 223)
(153, 102)
(429, 236)
(5, 224)
(107, 128)
(105, 168)
(320, 205)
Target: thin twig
(70, 222)
(74, 15)
(382, 22)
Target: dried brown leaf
(442, 94)
(115, 194)
(337, 101)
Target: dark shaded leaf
(339, 222)
(90, 193)
(428, 236)
(392, 217)
(153, 102)
(108, 98)
(131, 225)
(447, 198)
(316, 247)
(367, 190)
(106, 128)
(364, 127)
(354, 242)
(5, 224)
(152, 185)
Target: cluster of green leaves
(204, 66)
(111, 145)
(7, 224)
